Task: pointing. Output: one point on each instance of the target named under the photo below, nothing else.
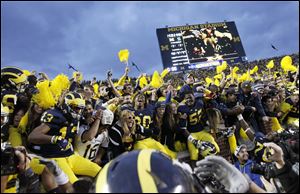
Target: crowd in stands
(231, 128)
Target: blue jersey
(194, 116)
(59, 126)
(144, 117)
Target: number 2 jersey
(194, 116)
(89, 149)
(60, 125)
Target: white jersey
(89, 149)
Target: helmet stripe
(76, 95)
(101, 180)
(144, 168)
(11, 70)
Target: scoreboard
(201, 45)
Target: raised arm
(114, 90)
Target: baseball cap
(160, 104)
(258, 87)
(231, 90)
(246, 84)
(239, 148)
(296, 92)
(187, 75)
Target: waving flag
(273, 47)
(254, 70)
(165, 72)
(156, 81)
(124, 55)
(222, 67)
(286, 64)
(270, 65)
(133, 64)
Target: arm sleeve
(115, 136)
(168, 98)
(82, 130)
(256, 178)
(259, 106)
(288, 178)
(72, 86)
(145, 132)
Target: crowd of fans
(213, 132)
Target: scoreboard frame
(199, 46)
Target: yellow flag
(222, 67)
(143, 82)
(248, 78)
(219, 76)
(270, 65)
(293, 68)
(164, 72)
(219, 69)
(286, 64)
(245, 77)
(156, 81)
(235, 69)
(286, 61)
(96, 89)
(242, 78)
(123, 55)
(254, 70)
(208, 80)
(234, 74)
(217, 82)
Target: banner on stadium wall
(201, 45)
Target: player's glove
(216, 166)
(193, 140)
(204, 145)
(60, 141)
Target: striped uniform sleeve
(115, 136)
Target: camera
(265, 169)
(9, 160)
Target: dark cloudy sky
(45, 36)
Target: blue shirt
(246, 169)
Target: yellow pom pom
(44, 97)
(58, 85)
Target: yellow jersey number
(195, 117)
(146, 121)
(47, 118)
(63, 133)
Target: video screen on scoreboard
(194, 44)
